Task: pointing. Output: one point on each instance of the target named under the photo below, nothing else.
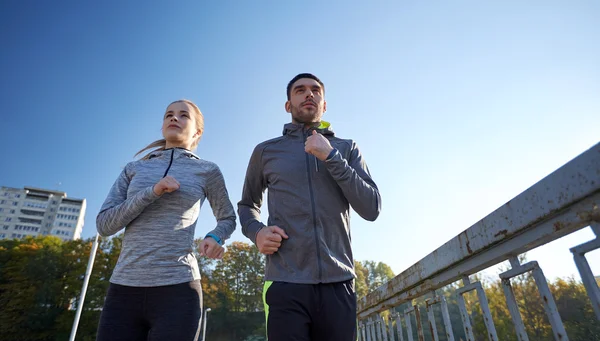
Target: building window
(12, 211)
(8, 219)
(17, 195)
(2, 201)
(31, 221)
(53, 202)
(1, 209)
(51, 210)
(5, 227)
(15, 203)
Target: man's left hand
(318, 145)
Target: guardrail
(563, 202)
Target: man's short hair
(299, 76)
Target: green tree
(240, 276)
(378, 274)
(362, 274)
(234, 287)
(39, 280)
(575, 309)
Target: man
(312, 178)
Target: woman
(155, 291)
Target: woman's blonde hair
(162, 143)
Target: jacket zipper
(314, 214)
(170, 162)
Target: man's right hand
(269, 238)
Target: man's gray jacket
(310, 200)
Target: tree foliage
(371, 275)
(41, 279)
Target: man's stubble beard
(304, 116)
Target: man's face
(307, 102)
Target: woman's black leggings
(170, 312)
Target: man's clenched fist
(269, 239)
(318, 145)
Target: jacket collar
(177, 152)
(322, 127)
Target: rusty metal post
(358, 329)
(560, 334)
(391, 327)
(549, 305)
(587, 276)
(446, 317)
(373, 334)
(513, 309)
(415, 309)
(399, 327)
(384, 333)
(378, 327)
(466, 320)
(408, 323)
(485, 308)
(419, 324)
(487, 314)
(511, 302)
(464, 314)
(431, 317)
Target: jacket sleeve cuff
(215, 237)
(253, 229)
(150, 195)
(331, 154)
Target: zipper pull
(306, 135)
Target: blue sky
(457, 107)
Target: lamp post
(204, 330)
(86, 280)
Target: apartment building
(33, 211)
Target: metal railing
(565, 201)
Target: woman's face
(179, 124)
